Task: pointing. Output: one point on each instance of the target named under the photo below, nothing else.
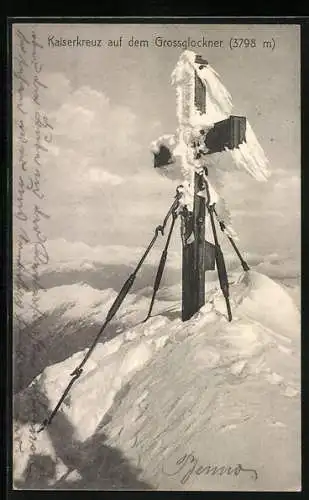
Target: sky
(107, 104)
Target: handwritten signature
(189, 465)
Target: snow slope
(173, 398)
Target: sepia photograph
(156, 173)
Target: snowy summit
(199, 405)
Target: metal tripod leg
(221, 269)
(113, 310)
(161, 266)
(222, 227)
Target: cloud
(93, 153)
(257, 213)
(100, 184)
(59, 88)
(76, 255)
(99, 176)
(101, 128)
(89, 131)
(281, 270)
(266, 216)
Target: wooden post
(193, 231)
(193, 255)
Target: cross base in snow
(198, 255)
(193, 254)
(205, 127)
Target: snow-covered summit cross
(206, 129)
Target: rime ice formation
(218, 104)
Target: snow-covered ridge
(169, 367)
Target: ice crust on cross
(218, 104)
